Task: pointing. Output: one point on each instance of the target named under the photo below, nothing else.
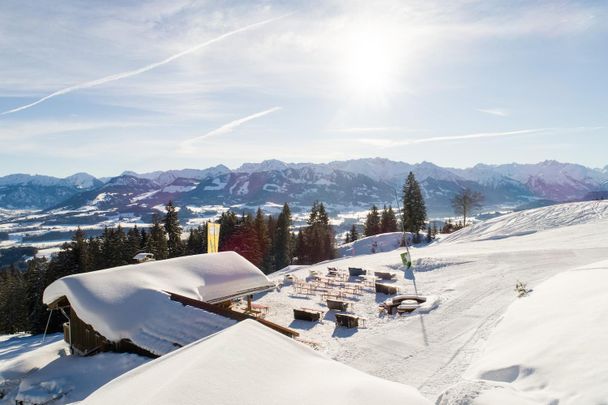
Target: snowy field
(473, 342)
(472, 283)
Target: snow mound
(72, 378)
(531, 221)
(250, 364)
(21, 355)
(550, 346)
(132, 302)
(383, 242)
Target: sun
(369, 63)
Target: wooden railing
(229, 313)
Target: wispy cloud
(130, 73)
(226, 128)
(389, 142)
(500, 112)
(366, 129)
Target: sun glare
(369, 63)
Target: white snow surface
(549, 347)
(21, 355)
(69, 379)
(531, 221)
(130, 302)
(383, 242)
(250, 364)
(470, 285)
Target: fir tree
(354, 235)
(388, 220)
(282, 239)
(264, 241)
(414, 208)
(173, 230)
(372, 223)
(157, 241)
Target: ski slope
(472, 283)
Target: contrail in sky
(229, 127)
(389, 142)
(123, 75)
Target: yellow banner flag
(213, 237)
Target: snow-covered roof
(143, 256)
(132, 302)
(251, 364)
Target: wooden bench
(385, 275)
(337, 305)
(349, 321)
(307, 314)
(356, 271)
(386, 289)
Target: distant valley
(38, 209)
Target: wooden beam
(229, 313)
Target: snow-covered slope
(383, 242)
(250, 364)
(471, 284)
(531, 221)
(549, 348)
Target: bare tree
(465, 202)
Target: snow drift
(250, 364)
(550, 346)
(531, 221)
(383, 242)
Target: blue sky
(105, 87)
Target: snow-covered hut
(143, 257)
(154, 307)
(251, 364)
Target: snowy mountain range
(342, 185)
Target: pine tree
(264, 241)
(414, 208)
(173, 230)
(228, 223)
(388, 220)
(318, 236)
(347, 238)
(282, 240)
(354, 235)
(157, 241)
(133, 242)
(245, 242)
(197, 240)
(429, 234)
(372, 223)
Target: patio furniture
(337, 305)
(356, 271)
(407, 303)
(385, 275)
(386, 289)
(307, 314)
(348, 320)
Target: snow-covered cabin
(251, 364)
(154, 307)
(143, 257)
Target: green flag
(406, 259)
